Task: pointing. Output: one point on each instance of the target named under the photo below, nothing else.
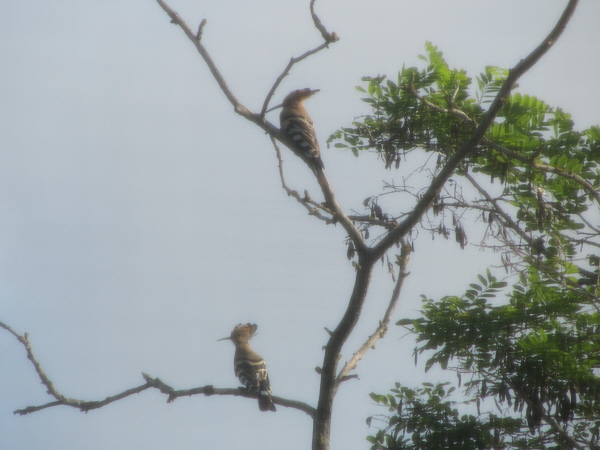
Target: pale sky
(141, 219)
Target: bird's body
(250, 368)
(298, 126)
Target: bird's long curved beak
(275, 107)
(224, 339)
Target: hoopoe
(298, 126)
(249, 367)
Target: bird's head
(241, 333)
(295, 97)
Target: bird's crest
(247, 329)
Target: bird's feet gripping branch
(297, 125)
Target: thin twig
(311, 206)
(455, 160)
(285, 73)
(200, 29)
(327, 37)
(383, 324)
(273, 131)
(498, 209)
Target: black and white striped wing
(302, 132)
(250, 372)
(253, 375)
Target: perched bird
(298, 126)
(249, 367)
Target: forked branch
(157, 383)
(385, 321)
(479, 133)
(259, 119)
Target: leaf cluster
(547, 171)
(427, 418)
(537, 357)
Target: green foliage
(426, 418)
(530, 350)
(548, 171)
(436, 108)
(537, 357)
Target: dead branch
(327, 37)
(157, 383)
(268, 127)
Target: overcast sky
(141, 219)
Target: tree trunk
(322, 421)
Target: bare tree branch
(82, 405)
(285, 73)
(311, 206)
(24, 339)
(498, 209)
(367, 257)
(200, 29)
(322, 422)
(273, 131)
(236, 392)
(383, 324)
(327, 36)
(157, 383)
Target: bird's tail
(265, 401)
(318, 162)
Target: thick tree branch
(586, 185)
(322, 422)
(468, 147)
(385, 321)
